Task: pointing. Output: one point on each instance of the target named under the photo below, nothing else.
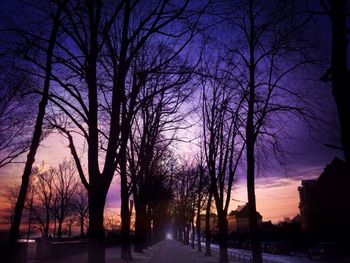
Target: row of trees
(247, 99)
(113, 77)
(55, 199)
(98, 74)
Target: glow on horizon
(277, 197)
(273, 203)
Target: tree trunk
(97, 199)
(125, 213)
(59, 231)
(222, 222)
(250, 144)
(187, 234)
(253, 220)
(82, 226)
(193, 234)
(125, 216)
(180, 234)
(340, 78)
(69, 230)
(54, 227)
(198, 229)
(140, 225)
(198, 220)
(47, 223)
(30, 217)
(148, 227)
(207, 227)
(96, 252)
(14, 230)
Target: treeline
(56, 202)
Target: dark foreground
(166, 251)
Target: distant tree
(184, 192)
(65, 185)
(112, 221)
(153, 130)
(10, 194)
(81, 207)
(44, 191)
(69, 224)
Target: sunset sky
(276, 186)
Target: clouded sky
(277, 193)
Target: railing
(240, 257)
(236, 255)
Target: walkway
(171, 251)
(167, 251)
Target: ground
(168, 251)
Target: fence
(240, 257)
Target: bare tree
(37, 133)
(17, 110)
(15, 118)
(69, 224)
(65, 185)
(271, 48)
(184, 193)
(222, 143)
(106, 38)
(112, 221)
(10, 193)
(207, 222)
(154, 128)
(81, 208)
(162, 170)
(44, 191)
(338, 73)
(203, 185)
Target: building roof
(337, 169)
(335, 172)
(242, 211)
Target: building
(238, 220)
(213, 222)
(324, 202)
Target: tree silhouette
(106, 40)
(65, 185)
(14, 231)
(221, 105)
(271, 48)
(160, 98)
(338, 73)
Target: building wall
(240, 224)
(324, 204)
(213, 222)
(232, 223)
